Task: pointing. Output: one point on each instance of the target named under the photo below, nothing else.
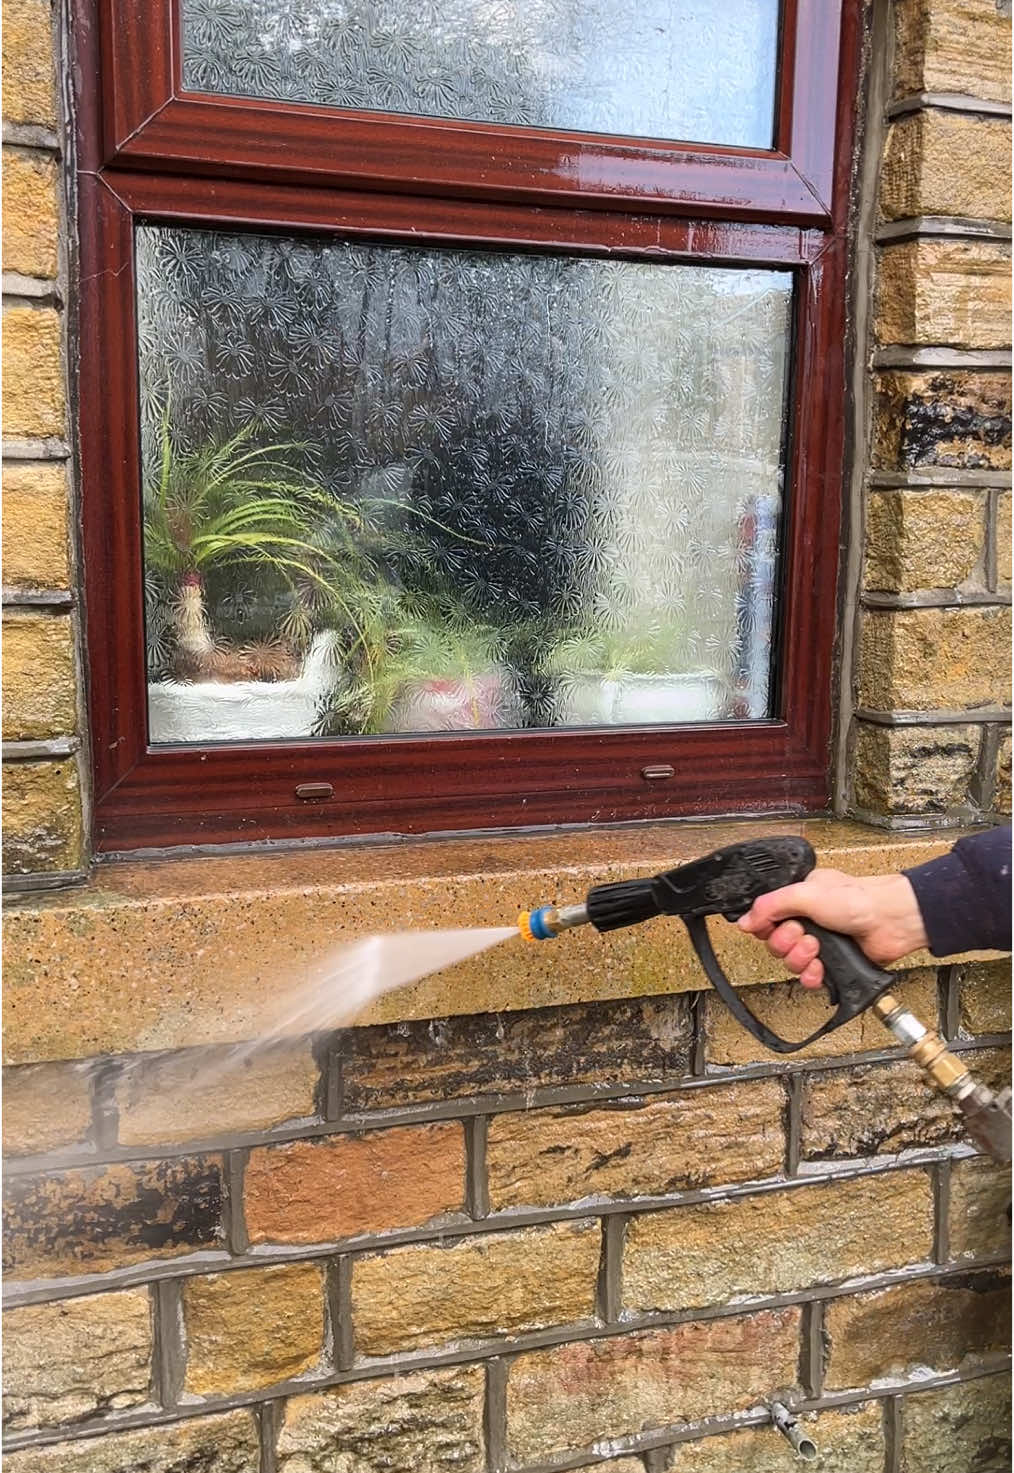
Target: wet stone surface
(890, 1332)
(575, 1396)
(644, 1039)
(224, 1444)
(313, 1191)
(66, 1361)
(428, 1421)
(957, 419)
(959, 1429)
(85, 1221)
(879, 1109)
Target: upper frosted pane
(696, 70)
(396, 488)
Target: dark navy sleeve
(965, 896)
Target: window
(460, 445)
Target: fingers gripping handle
(852, 981)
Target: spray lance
(727, 883)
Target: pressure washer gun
(727, 883)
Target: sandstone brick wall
(929, 737)
(599, 1234)
(390, 1249)
(43, 824)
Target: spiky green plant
(239, 506)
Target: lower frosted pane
(391, 489)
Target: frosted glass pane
(396, 489)
(699, 70)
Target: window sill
(172, 953)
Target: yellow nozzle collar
(525, 925)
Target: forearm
(964, 897)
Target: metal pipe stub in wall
(788, 1425)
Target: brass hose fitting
(944, 1069)
(987, 1115)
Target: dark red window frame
(149, 151)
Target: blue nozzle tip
(537, 924)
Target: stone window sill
(177, 952)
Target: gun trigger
(737, 1007)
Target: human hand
(880, 912)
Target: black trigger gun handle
(727, 883)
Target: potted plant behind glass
(450, 673)
(253, 576)
(425, 665)
(639, 674)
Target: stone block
(879, 1109)
(985, 997)
(29, 91)
(428, 1421)
(472, 1288)
(39, 698)
(618, 1465)
(35, 552)
(776, 1242)
(956, 418)
(31, 214)
(721, 1134)
(794, 1012)
(636, 1039)
(197, 1093)
(1002, 781)
(222, 1444)
(46, 1107)
(914, 769)
(923, 539)
(941, 163)
(978, 1225)
(952, 46)
(253, 1328)
(953, 292)
(1003, 539)
(584, 1394)
(849, 1441)
(67, 1361)
(961, 1429)
(925, 659)
(316, 1191)
(898, 1331)
(104, 1217)
(42, 823)
(33, 393)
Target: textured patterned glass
(399, 489)
(699, 70)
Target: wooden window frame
(149, 151)
(149, 121)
